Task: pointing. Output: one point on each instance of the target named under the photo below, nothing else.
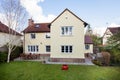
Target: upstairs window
(66, 30)
(47, 35)
(33, 36)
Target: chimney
(30, 22)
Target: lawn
(38, 71)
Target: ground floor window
(66, 49)
(48, 48)
(33, 48)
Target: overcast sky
(98, 13)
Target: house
(62, 40)
(5, 37)
(109, 32)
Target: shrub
(3, 56)
(106, 58)
(115, 54)
(96, 62)
(16, 53)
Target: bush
(115, 54)
(106, 58)
(96, 62)
(3, 56)
(16, 53)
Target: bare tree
(14, 15)
(89, 30)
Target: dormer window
(37, 26)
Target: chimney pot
(30, 22)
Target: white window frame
(66, 48)
(37, 26)
(66, 30)
(33, 48)
(47, 35)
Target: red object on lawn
(64, 67)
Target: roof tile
(38, 27)
(88, 40)
(114, 30)
(5, 29)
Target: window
(33, 48)
(37, 26)
(33, 36)
(66, 49)
(66, 30)
(48, 49)
(47, 35)
(87, 46)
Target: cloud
(99, 31)
(114, 25)
(35, 11)
(2, 18)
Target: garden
(26, 70)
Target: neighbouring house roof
(114, 30)
(85, 24)
(38, 27)
(6, 29)
(88, 40)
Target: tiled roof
(45, 27)
(5, 29)
(88, 40)
(38, 27)
(114, 30)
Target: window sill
(66, 35)
(47, 38)
(66, 53)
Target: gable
(114, 30)
(108, 32)
(111, 31)
(66, 14)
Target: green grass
(39, 71)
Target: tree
(14, 16)
(114, 40)
(96, 40)
(114, 47)
(89, 30)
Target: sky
(98, 13)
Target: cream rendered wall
(76, 39)
(40, 40)
(90, 50)
(106, 36)
(4, 39)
